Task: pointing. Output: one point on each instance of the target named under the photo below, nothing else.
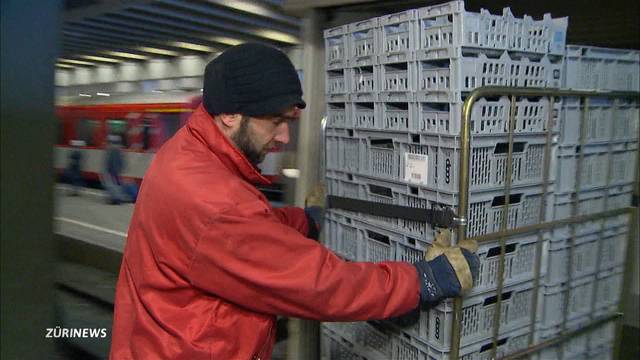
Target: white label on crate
(415, 168)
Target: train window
(85, 130)
(60, 140)
(118, 127)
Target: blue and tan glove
(314, 209)
(447, 271)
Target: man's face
(257, 136)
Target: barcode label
(415, 168)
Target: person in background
(74, 168)
(209, 263)
(113, 165)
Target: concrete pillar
(30, 42)
(303, 334)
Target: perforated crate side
(364, 42)
(444, 29)
(365, 338)
(514, 341)
(572, 349)
(477, 316)
(487, 116)
(344, 151)
(365, 115)
(365, 83)
(375, 240)
(398, 81)
(374, 341)
(596, 68)
(398, 37)
(609, 289)
(595, 161)
(337, 85)
(335, 347)
(443, 80)
(591, 201)
(336, 47)
(338, 115)
(519, 261)
(551, 304)
(585, 254)
(486, 209)
(601, 113)
(432, 162)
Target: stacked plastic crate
(605, 180)
(395, 88)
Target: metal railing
(545, 224)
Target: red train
(142, 129)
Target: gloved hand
(446, 271)
(314, 209)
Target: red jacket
(209, 263)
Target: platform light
(77, 62)
(157, 91)
(226, 40)
(158, 51)
(65, 66)
(190, 46)
(291, 173)
(126, 55)
(84, 95)
(100, 58)
(277, 36)
(103, 94)
(245, 6)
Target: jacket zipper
(264, 346)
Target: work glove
(314, 210)
(447, 271)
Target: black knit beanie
(251, 79)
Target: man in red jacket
(209, 263)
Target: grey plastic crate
(444, 80)
(332, 347)
(598, 127)
(477, 320)
(514, 341)
(596, 159)
(365, 83)
(398, 81)
(338, 115)
(354, 238)
(337, 85)
(364, 42)
(596, 68)
(609, 288)
(551, 304)
(445, 28)
(432, 162)
(573, 349)
(364, 115)
(373, 343)
(398, 37)
(487, 117)
(486, 208)
(592, 201)
(336, 47)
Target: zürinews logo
(60, 332)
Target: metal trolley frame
(501, 236)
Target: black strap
(444, 218)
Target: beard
(243, 140)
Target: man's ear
(230, 121)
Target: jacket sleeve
(251, 259)
(293, 217)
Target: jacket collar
(202, 125)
